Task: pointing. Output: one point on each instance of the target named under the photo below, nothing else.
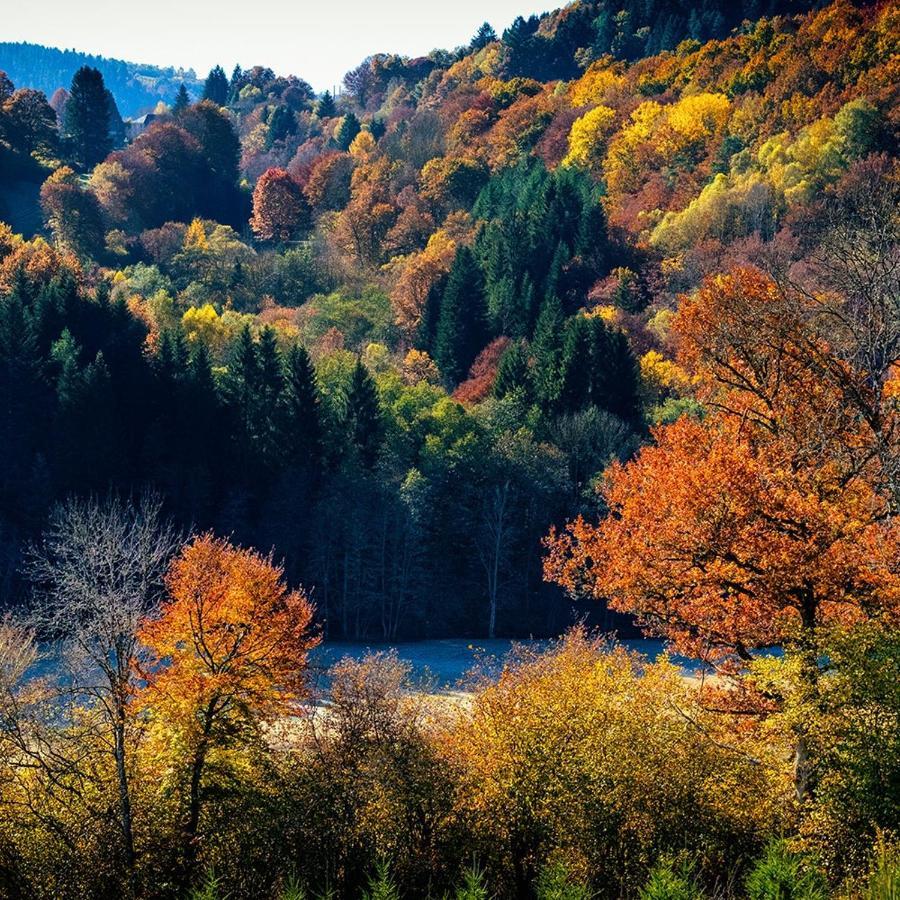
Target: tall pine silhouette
(462, 323)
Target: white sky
(317, 40)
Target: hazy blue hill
(136, 87)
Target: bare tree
(97, 572)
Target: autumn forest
(588, 328)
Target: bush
(783, 875)
(670, 880)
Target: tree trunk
(124, 792)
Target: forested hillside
(136, 87)
(596, 319)
(398, 335)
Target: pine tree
(362, 416)
(182, 101)
(216, 86)
(347, 131)
(24, 400)
(462, 323)
(281, 123)
(86, 118)
(300, 413)
(325, 108)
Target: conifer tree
(182, 101)
(266, 402)
(235, 84)
(513, 373)
(300, 413)
(347, 130)
(363, 416)
(462, 323)
(216, 86)
(577, 360)
(484, 36)
(86, 118)
(325, 108)
(547, 349)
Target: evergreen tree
(116, 125)
(325, 108)
(235, 84)
(242, 391)
(362, 416)
(25, 403)
(281, 123)
(462, 323)
(266, 403)
(615, 374)
(86, 118)
(547, 349)
(484, 36)
(182, 101)
(300, 413)
(512, 373)
(577, 360)
(216, 86)
(347, 131)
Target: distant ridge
(137, 87)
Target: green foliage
(555, 883)
(784, 875)
(883, 882)
(86, 120)
(473, 885)
(210, 889)
(381, 884)
(671, 879)
(461, 325)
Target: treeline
(136, 87)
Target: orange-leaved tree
(768, 519)
(230, 649)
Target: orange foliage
(230, 643)
(764, 521)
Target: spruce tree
(513, 373)
(484, 36)
(325, 108)
(615, 377)
(462, 323)
(362, 416)
(86, 118)
(347, 131)
(577, 361)
(271, 383)
(300, 413)
(242, 392)
(182, 101)
(547, 349)
(235, 84)
(216, 86)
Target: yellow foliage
(588, 136)
(597, 85)
(195, 236)
(362, 145)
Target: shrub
(783, 875)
